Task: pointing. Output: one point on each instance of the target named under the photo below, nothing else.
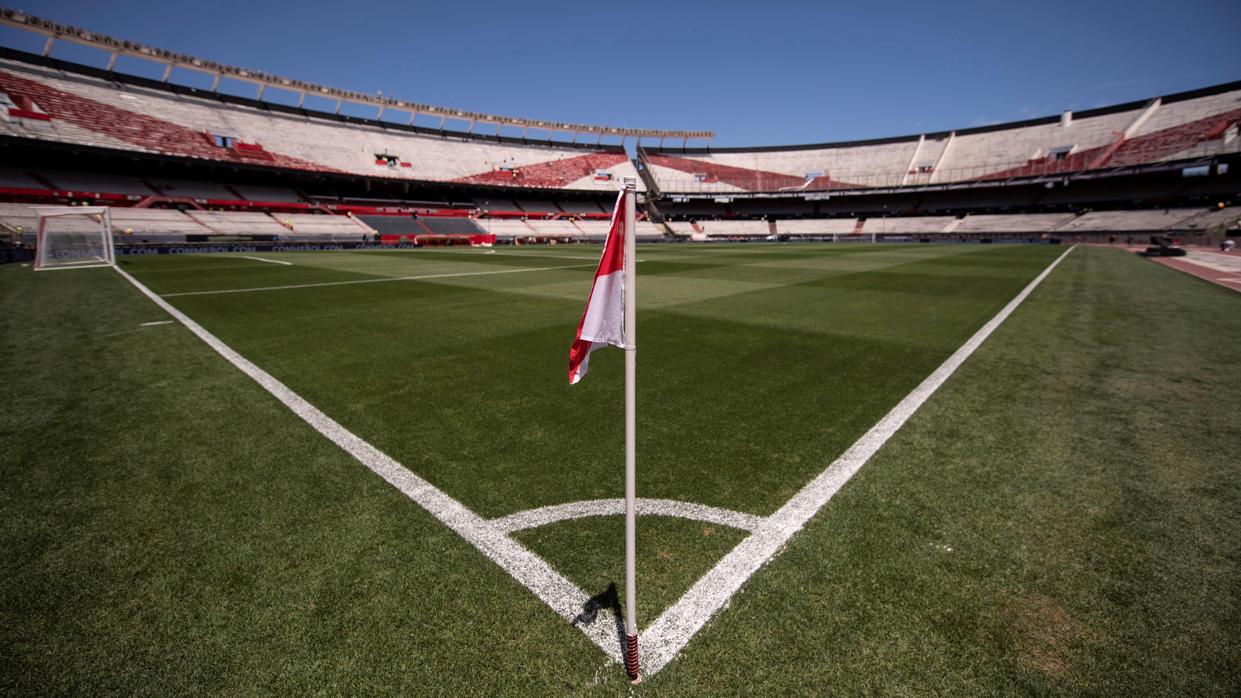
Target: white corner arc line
(542, 516)
(385, 279)
(156, 322)
(530, 570)
(681, 621)
(269, 261)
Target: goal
(73, 237)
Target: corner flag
(603, 321)
(611, 318)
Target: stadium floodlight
(73, 237)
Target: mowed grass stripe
(742, 399)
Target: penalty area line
(665, 638)
(387, 279)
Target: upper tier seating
(90, 111)
(1147, 133)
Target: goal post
(73, 237)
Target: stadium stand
(239, 223)
(911, 225)
(343, 227)
(193, 190)
(553, 228)
(645, 230)
(496, 204)
(11, 177)
(19, 217)
(451, 226)
(537, 206)
(393, 225)
(594, 230)
(254, 192)
(1014, 223)
(87, 110)
(1180, 126)
(1164, 163)
(89, 182)
(507, 229)
(743, 228)
(581, 207)
(828, 226)
(1212, 218)
(156, 221)
(1127, 221)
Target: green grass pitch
(1063, 516)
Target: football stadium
(286, 410)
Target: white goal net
(73, 237)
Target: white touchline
(680, 622)
(371, 281)
(530, 570)
(269, 261)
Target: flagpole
(631, 356)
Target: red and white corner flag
(603, 322)
(611, 318)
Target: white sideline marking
(157, 322)
(269, 261)
(533, 518)
(370, 281)
(530, 570)
(680, 622)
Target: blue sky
(757, 73)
